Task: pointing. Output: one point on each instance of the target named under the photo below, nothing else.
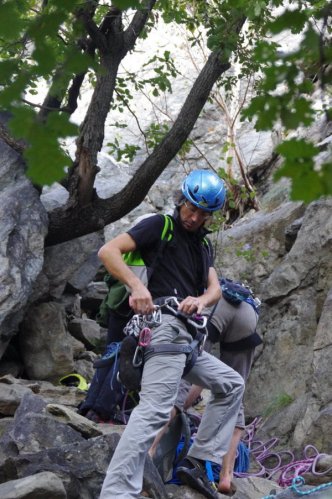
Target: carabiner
(145, 336)
(175, 303)
(138, 357)
(202, 344)
(199, 321)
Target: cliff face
(291, 380)
(283, 251)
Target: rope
(299, 482)
(282, 466)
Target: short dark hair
(179, 198)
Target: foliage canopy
(61, 43)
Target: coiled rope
(282, 466)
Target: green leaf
(306, 187)
(312, 44)
(59, 124)
(290, 19)
(12, 92)
(299, 165)
(45, 158)
(8, 68)
(301, 113)
(46, 162)
(326, 178)
(126, 4)
(76, 62)
(297, 148)
(11, 23)
(45, 57)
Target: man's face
(192, 218)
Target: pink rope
(280, 466)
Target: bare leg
(156, 441)
(226, 473)
(193, 395)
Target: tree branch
(137, 24)
(85, 15)
(73, 93)
(75, 221)
(90, 140)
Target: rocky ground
(48, 451)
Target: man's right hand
(140, 299)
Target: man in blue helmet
(185, 271)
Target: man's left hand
(191, 305)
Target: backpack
(107, 397)
(236, 292)
(117, 296)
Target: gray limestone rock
(38, 486)
(45, 343)
(22, 231)
(73, 262)
(86, 331)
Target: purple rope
(279, 465)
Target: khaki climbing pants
(160, 383)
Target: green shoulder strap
(166, 237)
(118, 292)
(168, 230)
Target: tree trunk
(74, 220)
(113, 44)
(91, 136)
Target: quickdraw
(138, 322)
(144, 340)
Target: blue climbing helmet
(204, 189)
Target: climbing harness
(140, 326)
(196, 326)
